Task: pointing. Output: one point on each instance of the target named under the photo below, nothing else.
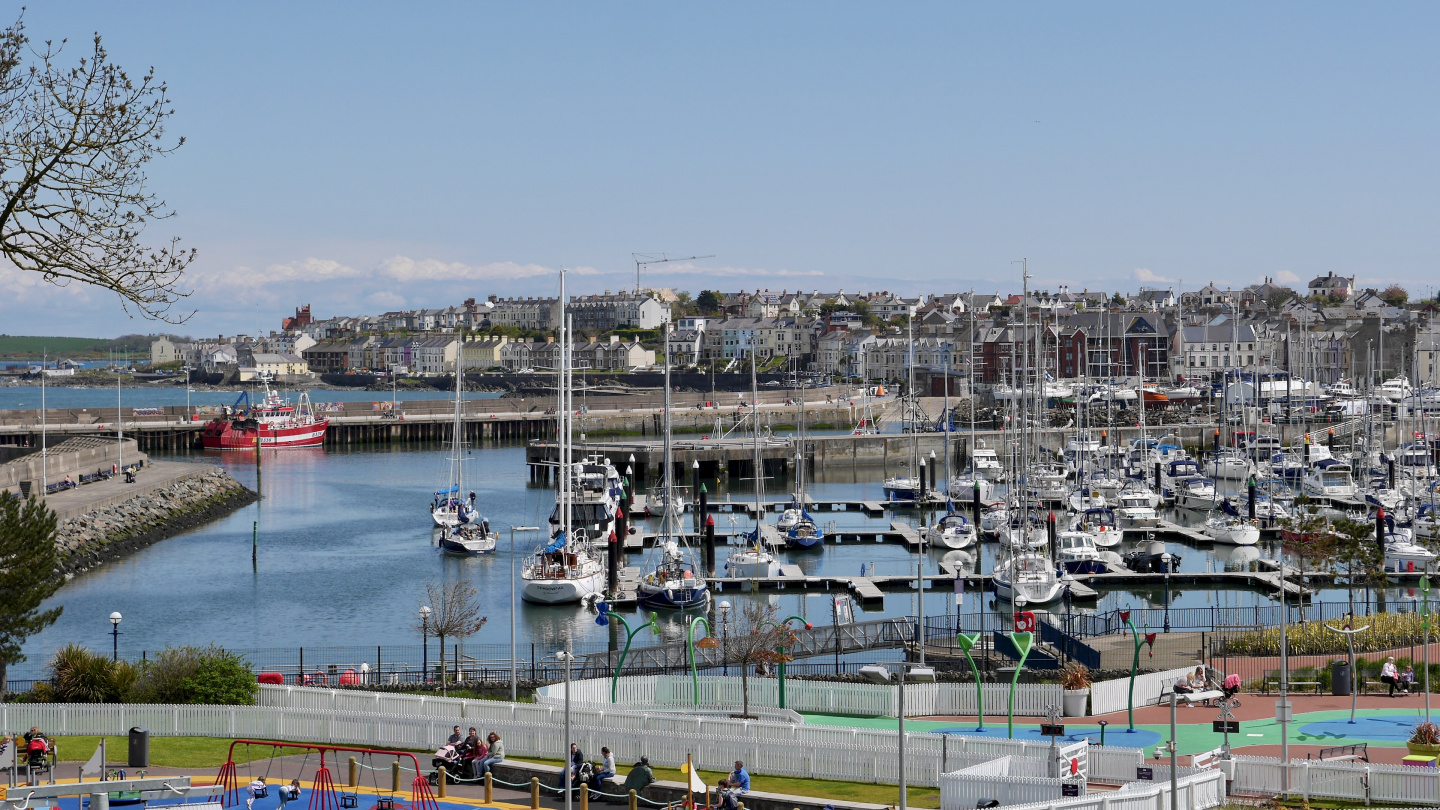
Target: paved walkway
(153, 476)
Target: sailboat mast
(562, 377)
(668, 516)
(759, 462)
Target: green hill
(22, 347)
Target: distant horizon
(366, 161)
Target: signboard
(1048, 730)
(1069, 789)
(1145, 774)
(844, 613)
(959, 590)
(1225, 726)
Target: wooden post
(354, 780)
(440, 783)
(633, 802)
(489, 787)
(585, 797)
(395, 776)
(534, 793)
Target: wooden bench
(1275, 682)
(1345, 753)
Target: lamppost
(513, 530)
(880, 673)
(425, 642)
(115, 634)
(724, 608)
(565, 657)
(1165, 559)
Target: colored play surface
(1378, 727)
(272, 802)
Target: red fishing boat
(274, 422)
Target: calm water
(143, 395)
(345, 550)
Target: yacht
(1029, 576)
(474, 537)
(995, 520)
(804, 532)
(755, 556)
(1230, 530)
(1288, 465)
(1395, 389)
(1100, 524)
(1230, 465)
(1084, 498)
(1174, 471)
(1046, 486)
(951, 531)
(1402, 554)
(962, 488)
(1195, 492)
(1329, 479)
(984, 463)
(800, 528)
(449, 508)
(902, 488)
(1135, 511)
(1078, 554)
(562, 573)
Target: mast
(667, 520)
(562, 379)
(759, 462)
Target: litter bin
(1339, 677)
(139, 748)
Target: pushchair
(1231, 687)
(38, 754)
(448, 758)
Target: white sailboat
(564, 570)
(450, 507)
(754, 557)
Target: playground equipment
(1135, 663)
(603, 618)
(149, 789)
(323, 795)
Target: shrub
(1387, 631)
(1075, 676)
(1426, 734)
(195, 675)
(78, 675)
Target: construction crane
(643, 260)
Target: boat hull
(673, 598)
(563, 591)
(223, 434)
(469, 544)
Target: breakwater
(112, 530)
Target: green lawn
(22, 346)
(209, 752)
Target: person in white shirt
(607, 769)
(1389, 675)
(254, 791)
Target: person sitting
(734, 786)
(1407, 680)
(289, 793)
(640, 777)
(472, 750)
(605, 771)
(1389, 675)
(577, 758)
(495, 756)
(253, 791)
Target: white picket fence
(784, 749)
(674, 692)
(1112, 696)
(1196, 792)
(1008, 780)
(1356, 781)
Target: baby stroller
(1231, 687)
(448, 758)
(37, 753)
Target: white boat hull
(563, 591)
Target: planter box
(1423, 750)
(1075, 702)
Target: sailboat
(449, 508)
(754, 558)
(565, 569)
(671, 581)
(952, 531)
(801, 530)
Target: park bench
(1207, 694)
(1275, 684)
(1345, 753)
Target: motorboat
(1083, 498)
(984, 463)
(1029, 576)
(1078, 554)
(593, 494)
(1329, 479)
(905, 488)
(1135, 511)
(1229, 465)
(995, 519)
(1395, 389)
(1101, 524)
(1196, 492)
(1231, 530)
(1046, 486)
(1288, 465)
(1152, 558)
(951, 531)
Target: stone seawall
(115, 530)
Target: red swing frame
(322, 795)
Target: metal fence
(1213, 618)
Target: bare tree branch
(73, 147)
(455, 613)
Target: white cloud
(1144, 274)
(385, 299)
(1287, 277)
(26, 287)
(406, 269)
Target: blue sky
(364, 157)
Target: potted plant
(1425, 740)
(1075, 680)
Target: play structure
(323, 794)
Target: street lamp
(880, 673)
(115, 634)
(724, 608)
(513, 530)
(1165, 559)
(565, 657)
(425, 642)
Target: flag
(96, 764)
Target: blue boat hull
(676, 598)
(810, 541)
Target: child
(289, 793)
(1407, 680)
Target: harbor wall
(168, 503)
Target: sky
(363, 157)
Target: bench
(1275, 682)
(1345, 753)
(1202, 697)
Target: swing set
(323, 794)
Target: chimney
(592, 338)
